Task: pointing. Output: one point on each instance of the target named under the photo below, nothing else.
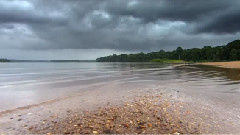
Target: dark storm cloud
(223, 24)
(13, 12)
(217, 16)
(184, 10)
(141, 25)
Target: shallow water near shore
(23, 84)
(43, 97)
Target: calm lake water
(23, 84)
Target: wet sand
(233, 64)
(114, 109)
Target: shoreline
(114, 111)
(231, 64)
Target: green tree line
(4, 60)
(229, 52)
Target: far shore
(231, 64)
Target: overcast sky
(87, 29)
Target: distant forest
(229, 52)
(4, 60)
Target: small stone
(126, 125)
(95, 132)
(107, 131)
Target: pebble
(95, 132)
(144, 116)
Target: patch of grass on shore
(168, 61)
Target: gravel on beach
(146, 115)
(151, 111)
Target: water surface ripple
(29, 83)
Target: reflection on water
(213, 72)
(26, 83)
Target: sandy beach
(167, 99)
(146, 110)
(233, 64)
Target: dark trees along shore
(229, 52)
(4, 60)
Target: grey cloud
(17, 13)
(180, 10)
(128, 25)
(223, 24)
(6, 26)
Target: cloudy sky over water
(87, 29)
